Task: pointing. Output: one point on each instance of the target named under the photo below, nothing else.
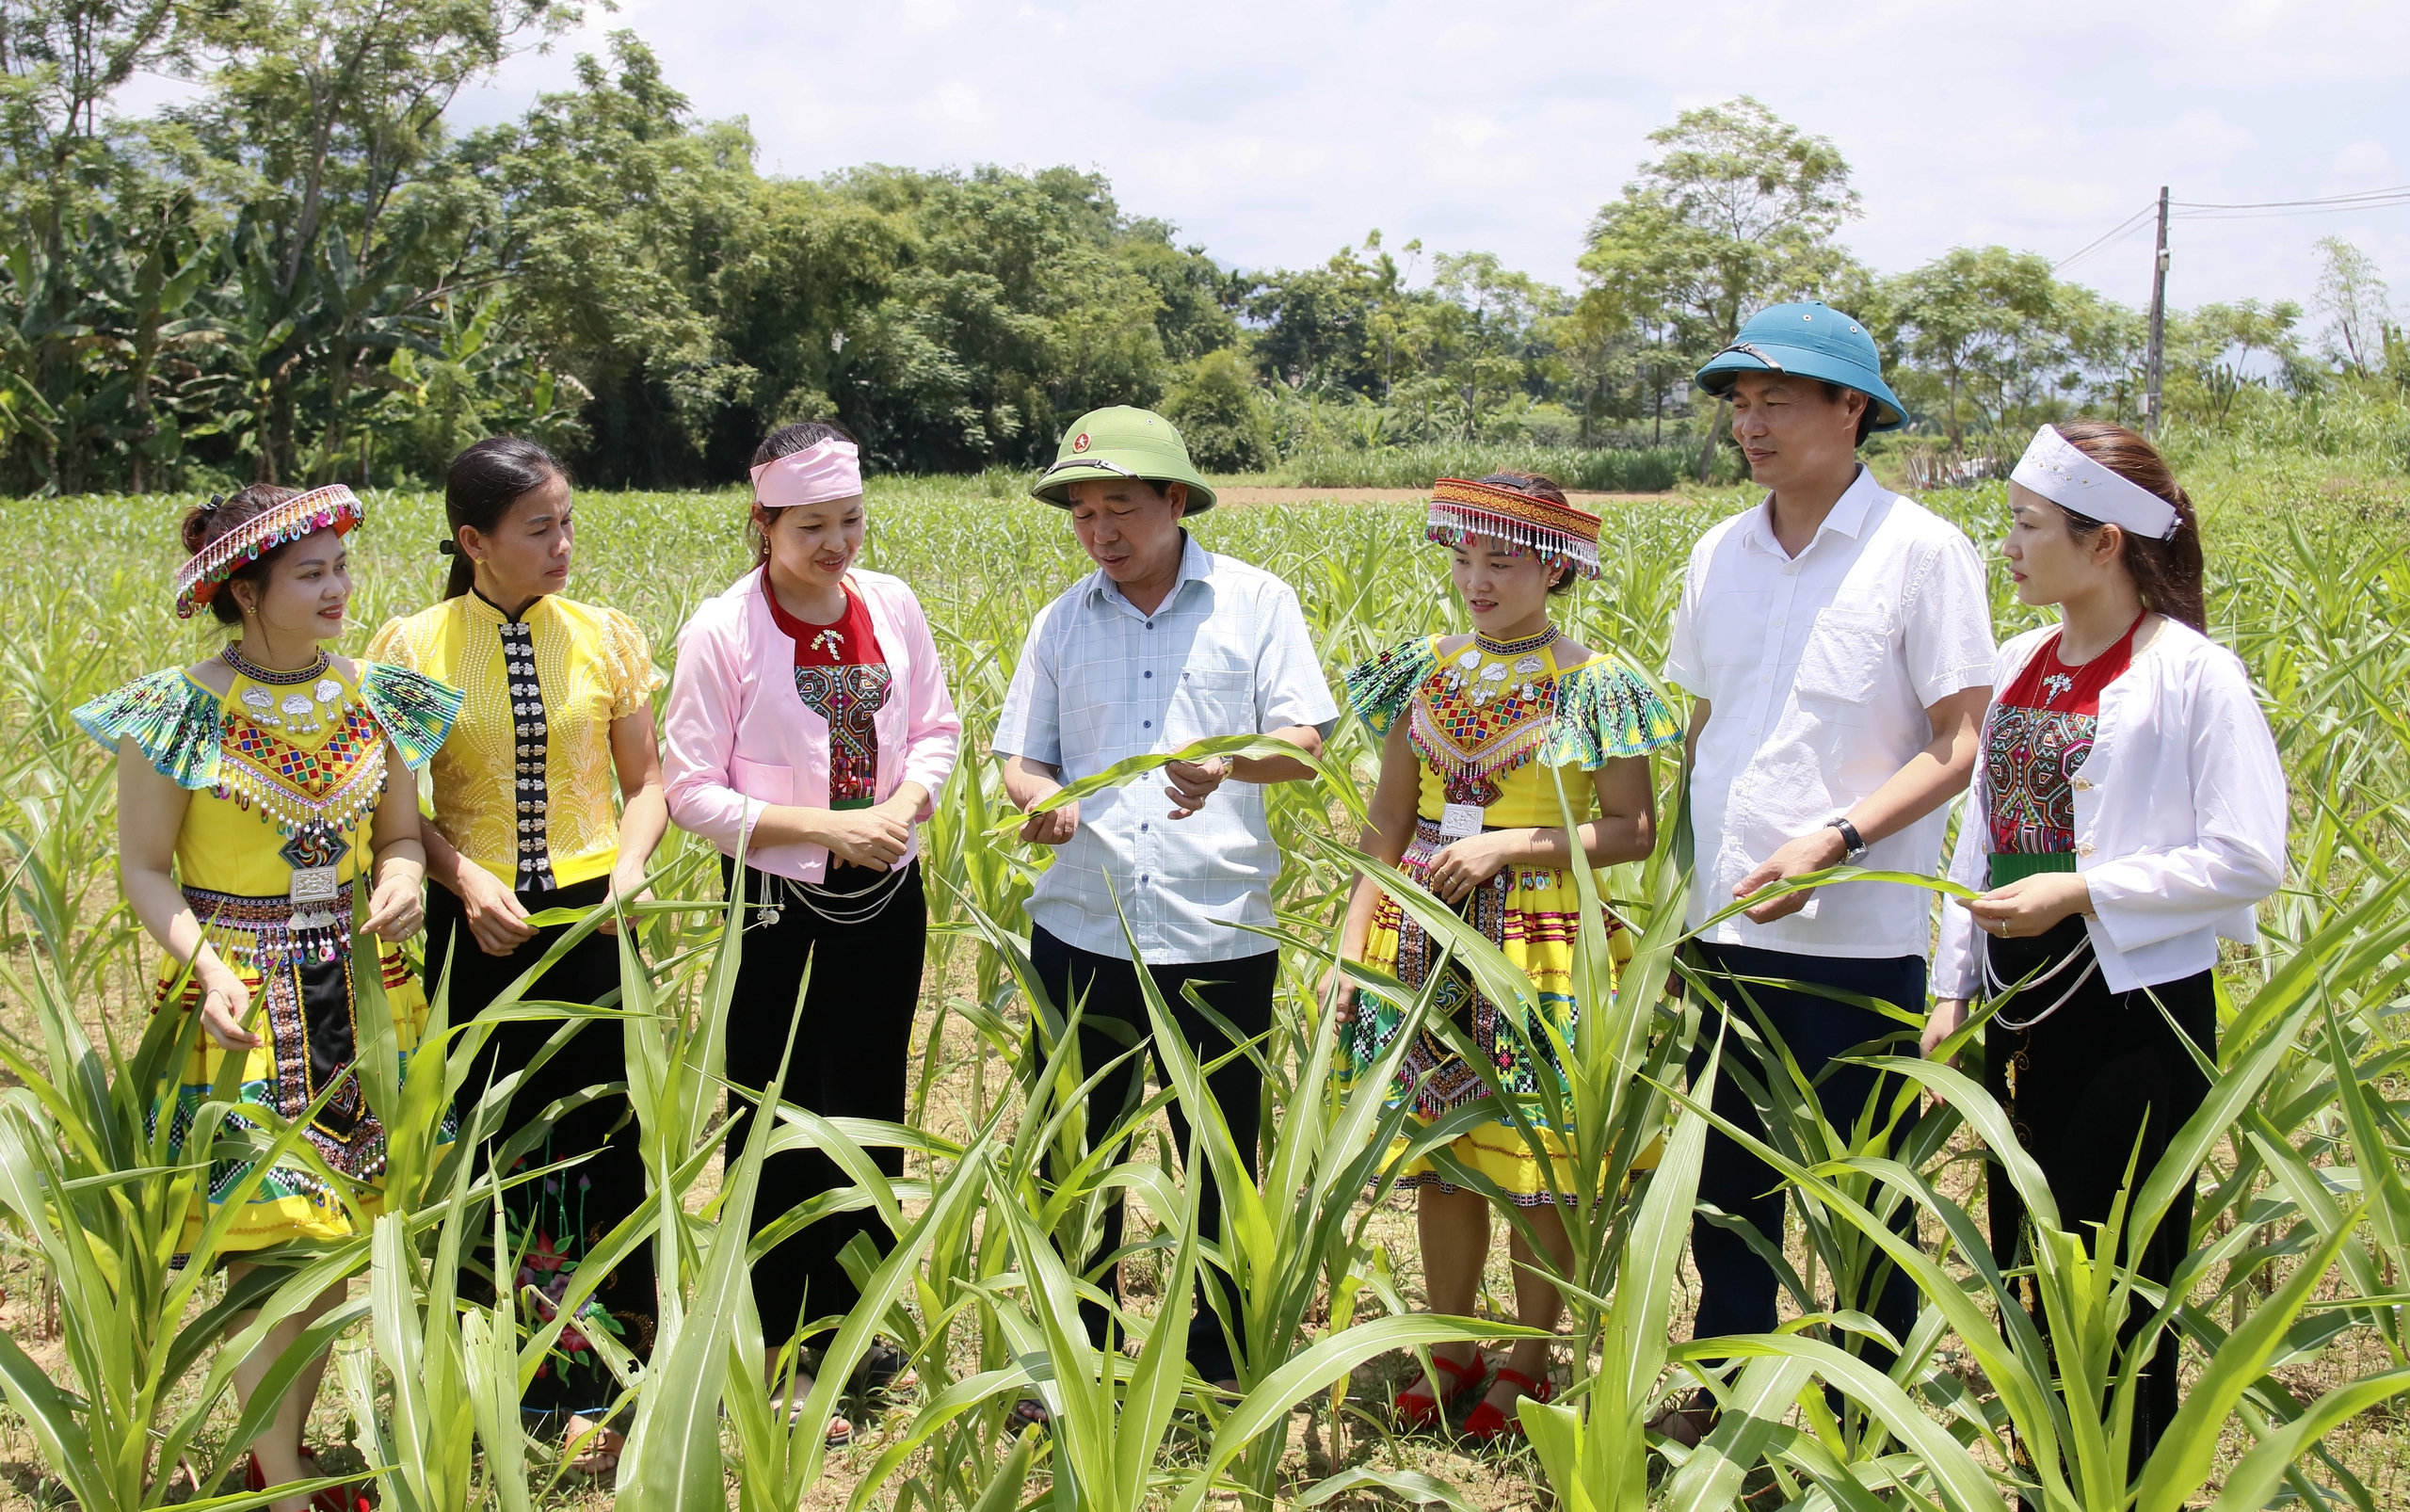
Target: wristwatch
(1853, 843)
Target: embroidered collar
(483, 608)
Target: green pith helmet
(1121, 440)
(1807, 340)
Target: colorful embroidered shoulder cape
(1598, 711)
(176, 722)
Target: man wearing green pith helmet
(1164, 645)
(1835, 642)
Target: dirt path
(1237, 494)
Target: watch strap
(1853, 843)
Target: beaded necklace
(271, 676)
(1515, 648)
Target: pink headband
(828, 470)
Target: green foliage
(2290, 1305)
(300, 275)
(1222, 417)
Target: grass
(2299, 1234)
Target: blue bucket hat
(1807, 339)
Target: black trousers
(1107, 986)
(552, 1221)
(2081, 1087)
(1737, 1289)
(852, 1046)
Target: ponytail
(479, 488)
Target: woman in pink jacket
(809, 726)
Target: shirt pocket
(765, 780)
(1212, 699)
(1844, 655)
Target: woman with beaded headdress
(547, 797)
(1473, 731)
(259, 792)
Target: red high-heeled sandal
(347, 1498)
(1417, 1408)
(1487, 1422)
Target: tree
(332, 106)
(616, 223)
(1739, 212)
(2353, 296)
(1221, 415)
(1982, 320)
(1347, 328)
(2214, 348)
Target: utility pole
(2155, 362)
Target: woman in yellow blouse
(547, 795)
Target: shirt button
(2084, 849)
(1142, 828)
(1147, 674)
(1150, 625)
(1146, 724)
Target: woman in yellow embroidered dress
(266, 778)
(1467, 805)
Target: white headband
(2055, 469)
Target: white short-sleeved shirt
(1820, 668)
(1227, 653)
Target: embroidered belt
(2006, 866)
(283, 931)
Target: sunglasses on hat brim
(1098, 463)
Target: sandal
(841, 1431)
(600, 1458)
(1418, 1409)
(1688, 1422)
(1489, 1421)
(883, 1368)
(345, 1498)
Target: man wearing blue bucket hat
(1835, 641)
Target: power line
(2286, 215)
(2343, 201)
(2123, 228)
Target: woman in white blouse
(2128, 813)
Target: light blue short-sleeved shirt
(1227, 653)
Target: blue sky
(1274, 133)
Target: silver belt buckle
(313, 884)
(1459, 820)
(312, 893)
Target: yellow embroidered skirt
(307, 1026)
(1533, 915)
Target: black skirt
(553, 1221)
(2102, 1079)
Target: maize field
(2293, 1306)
